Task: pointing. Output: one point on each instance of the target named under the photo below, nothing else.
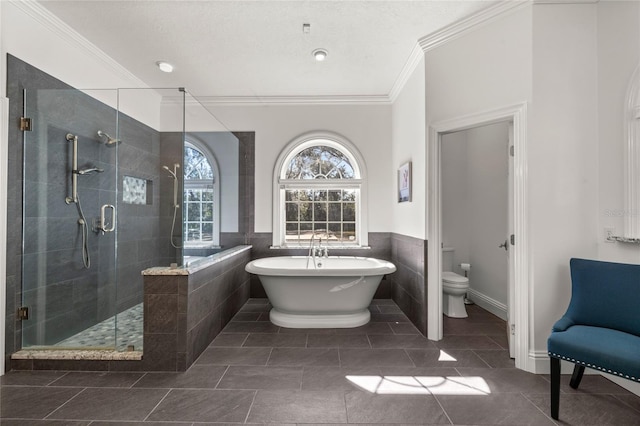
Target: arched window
(201, 198)
(319, 192)
(632, 159)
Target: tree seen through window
(326, 210)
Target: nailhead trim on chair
(595, 366)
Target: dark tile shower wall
(17, 71)
(410, 284)
(171, 153)
(76, 297)
(140, 242)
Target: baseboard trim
(485, 302)
(541, 362)
(633, 387)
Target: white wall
(32, 34)
(474, 208)
(409, 144)
(455, 195)
(545, 55)
(563, 152)
(618, 57)
(368, 127)
(485, 69)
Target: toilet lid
(453, 278)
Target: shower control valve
(101, 224)
(97, 226)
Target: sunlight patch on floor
(445, 356)
(421, 385)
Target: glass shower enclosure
(102, 190)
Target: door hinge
(23, 313)
(25, 124)
(513, 240)
(512, 328)
(512, 151)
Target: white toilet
(454, 287)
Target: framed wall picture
(404, 182)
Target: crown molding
(565, 1)
(293, 100)
(459, 28)
(449, 33)
(409, 67)
(61, 29)
(41, 14)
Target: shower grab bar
(73, 198)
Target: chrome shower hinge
(25, 124)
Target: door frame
(4, 163)
(517, 115)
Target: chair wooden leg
(555, 387)
(576, 377)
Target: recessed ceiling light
(319, 54)
(164, 66)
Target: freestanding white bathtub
(335, 292)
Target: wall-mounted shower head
(71, 137)
(108, 140)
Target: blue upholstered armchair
(601, 328)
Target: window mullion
(323, 210)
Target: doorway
(475, 219)
(517, 302)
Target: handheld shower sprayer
(173, 174)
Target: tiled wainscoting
(410, 280)
(407, 286)
(380, 248)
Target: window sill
(330, 247)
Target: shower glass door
(70, 200)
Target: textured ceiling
(258, 48)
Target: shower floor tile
(128, 331)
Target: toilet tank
(447, 258)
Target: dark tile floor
(381, 373)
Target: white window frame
(632, 159)
(280, 184)
(215, 242)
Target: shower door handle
(103, 218)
